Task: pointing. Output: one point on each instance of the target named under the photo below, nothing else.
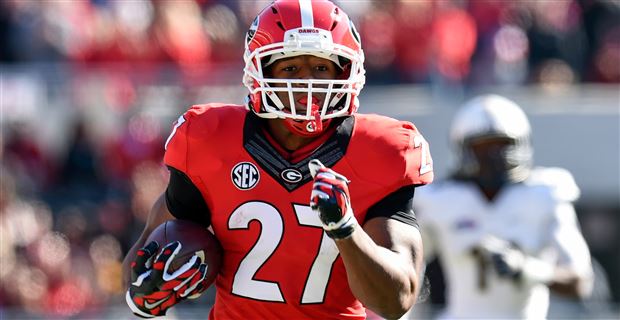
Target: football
(194, 239)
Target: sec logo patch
(245, 176)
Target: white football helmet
(490, 116)
(288, 28)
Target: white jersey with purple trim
(536, 215)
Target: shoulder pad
(561, 184)
(206, 119)
(395, 149)
(201, 123)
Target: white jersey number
(270, 236)
(426, 164)
(179, 122)
(272, 228)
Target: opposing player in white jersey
(504, 232)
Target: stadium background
(89, 90)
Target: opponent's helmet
(492, 116)
(288, 28)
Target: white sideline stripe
(307, 19)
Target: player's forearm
(568, 283)
(381, 279)
(158, 214)
(562, 279)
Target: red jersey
(278, 262)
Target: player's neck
(490, 194)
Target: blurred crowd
(465, 41)
(66, 223)
(68, 217)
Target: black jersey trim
(184, 200)
(268, 158)
(398, 205)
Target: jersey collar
(292, 171)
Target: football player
(505, 232)
(311, 201)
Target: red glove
(153, 290)
(330, 199)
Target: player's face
(490, 146)
(303, 67)
(492, 155)
(293, 134)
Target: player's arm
(151, 288)
(159, 214)
(571, 271)
(383, 262)
(572, 275)
(569, 274)
(384, 258)
(180, 200)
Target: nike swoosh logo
(156, 304)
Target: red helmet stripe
(307, 16)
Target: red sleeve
(395, 150)
(195, 127)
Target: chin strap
(317, 124)
(300, 128)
